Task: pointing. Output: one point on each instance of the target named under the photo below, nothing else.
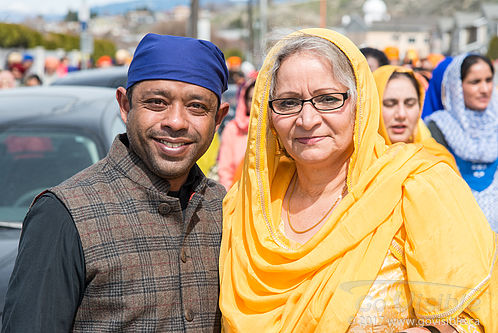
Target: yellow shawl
(449, 246)
(422, 133)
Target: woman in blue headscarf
(432, 101)
(468, 127)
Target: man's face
(170, 125)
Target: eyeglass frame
(345, 96)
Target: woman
(7, 80)
(328, 229)
(400, 95)
(375, 57)
(234, 137)
(468, 127)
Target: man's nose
(175, 117)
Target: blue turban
(27, 57)
(163, 57)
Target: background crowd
(18, 69)
(424, 75)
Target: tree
(233, 52)
(16, 35)
(103, 47)
(71, 16)
(493, 48)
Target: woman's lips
(398, 129)
(483, 99)
(309, 140)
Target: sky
(49, 6)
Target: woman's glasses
(323, 103)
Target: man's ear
(124, 104)
(222, 112)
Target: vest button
(189, 315)
(164, 208)
(183, 255)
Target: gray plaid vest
(149, 267)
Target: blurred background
(81, 34)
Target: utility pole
(323, 13)
(86, 39)
(251, 30)
(263, 13)
(194, 17)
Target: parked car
(111, 77)
(47, 134)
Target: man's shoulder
(214, 189)
(83, 187)
(91, 175)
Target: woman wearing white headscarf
(468, 127)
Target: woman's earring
(280, 147)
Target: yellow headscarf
(422, 133)
(266, 286)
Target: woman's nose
(485, 87)
(309, 116)
(400, 112)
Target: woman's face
(373, 63)
(478, 86)
(400, 109)
(312, 137)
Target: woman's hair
(375, 53)
(342, 69)
(412, 79)
(471, 60)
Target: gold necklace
(323, 218)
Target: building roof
(445, 24)
(465, 19)
(356, 24)
(490, 10)
(405, 24)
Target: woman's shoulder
(436, 133)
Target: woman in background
(234, 137)
(375, 57)
(7, 79)
(468, 127)
(400, 95)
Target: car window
(31, 162)
(117, 127)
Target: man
(131, 244)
